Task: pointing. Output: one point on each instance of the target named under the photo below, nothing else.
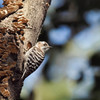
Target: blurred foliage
(53, 91)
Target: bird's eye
(45, 44)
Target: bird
(34, 57)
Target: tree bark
(20, 25)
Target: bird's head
(43, 46)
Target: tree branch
(20, 26)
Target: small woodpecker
(34, 57)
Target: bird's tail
(23, 76)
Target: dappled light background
(71, 69)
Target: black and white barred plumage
(34, 57)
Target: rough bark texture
(20, 25)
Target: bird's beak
(49, 47)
